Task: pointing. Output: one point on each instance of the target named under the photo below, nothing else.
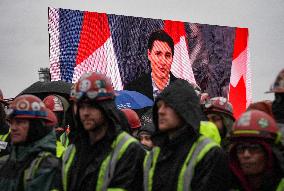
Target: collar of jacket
(177, 138)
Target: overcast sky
(24, 32)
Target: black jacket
(86, 165)
(211, 172)
(143, 84)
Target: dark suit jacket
(143, 84)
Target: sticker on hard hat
(100, 83)
(85, 85)
(245, 119)
(57, 104)
(263, 123)
(3, 144)
(23, 105)
(35, 106)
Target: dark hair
(160, 35)
(37, 130)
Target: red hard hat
(132, 117)
(27, 106)
(265, 106)
(53, 103)
(255, 123)
(221, 105)
(52, 119)
(93, 86)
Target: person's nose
(161, 110)
(246, 153)
(14, 127)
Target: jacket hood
(180, 96)
(47, 143)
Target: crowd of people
(185, 141)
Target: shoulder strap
(119, 146)
(30, 172)
(150, 162)
(196, 154)
(67, 160)
(280, 185)
(4, 136)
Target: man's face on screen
(161, 58)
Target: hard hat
(52, 119)
(53, 103)
(257, 124)
(93, 86)
(219, 104)
(132, 117)
(27, 106)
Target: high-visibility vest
(30, 172)
(4, 136)
(210, 130)
(106, 172)
(280, 186)
(3, 142)
(64, 139)
(198, 150)
(59, 149)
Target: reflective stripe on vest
(280, 185)
(106, 172)
(107, 168)
(59, 149)
(64, 139)
(30, 172)
(4, 137)
(198, 150)
(67, 159)
(149, 167)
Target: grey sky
(24, 32)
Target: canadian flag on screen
(181, 66)
(240, 82)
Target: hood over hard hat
(181, 96)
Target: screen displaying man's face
(161, 59)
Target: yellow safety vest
(4, 136)
(59, 149)
(106, 172)
(198, 150)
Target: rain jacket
(174, 154)
(97, 167)
(32, 166)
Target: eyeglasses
(252, 148)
